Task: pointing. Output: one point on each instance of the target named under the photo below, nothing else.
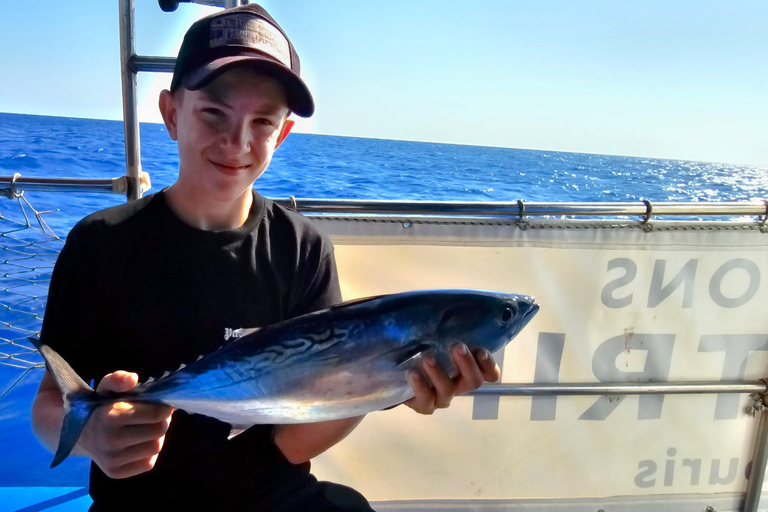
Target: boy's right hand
(124, 438)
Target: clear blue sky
(679, 79)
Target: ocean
(321, 166)
(305, 166)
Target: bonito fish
(344, 361)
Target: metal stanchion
(130, 111)
(759, 458)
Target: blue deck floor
(48, 499)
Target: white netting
(28, 251)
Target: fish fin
(78, 401)
(393, 406)
(410, 357)
(356, 301)
(245, 331)
(236, 431)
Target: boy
(141, 288)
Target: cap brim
(299, 98)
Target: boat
(640, 386)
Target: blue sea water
(318, 166)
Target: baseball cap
(245, 34)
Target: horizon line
(675, 159)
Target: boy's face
(227, 131)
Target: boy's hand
(437, 393)
(124, 438)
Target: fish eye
(506, 314)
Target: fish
(347, 360)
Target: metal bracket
(646, 223)
(763, 219)
(127, 185)
(648, 211)
(522, 224)
(759, 401)
(11, 192)
(294, 206)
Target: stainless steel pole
(759, 462)
(513, 208)
(622, 388)
(153, 64)
(130, 111)
(58, 184)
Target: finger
(133, 468)
(127, 413)
(132, 435)
(135, 453)
(488, 366)
(423, 400)
(118, 381)
(444, 386)
(470, 377)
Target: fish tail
(78, 398)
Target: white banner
(616, 305)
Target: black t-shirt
(137, 289)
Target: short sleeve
(71, 322)
(320, 288)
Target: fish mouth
(527, 309)
(532, 310)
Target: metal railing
(13, 186)
(624, 388)
(521, 209)
(16, 184)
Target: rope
(28, 252)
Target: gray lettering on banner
(716, 283)
(737, 348)
(487, 407)
(647, 470)
(669, 469)
(684, 277)
(630, 272)
(549, 354)
(657, 363)
(714, 472)
(695, 465)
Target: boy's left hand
(474, 369)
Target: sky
(685, 79)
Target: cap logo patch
(251, 32)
